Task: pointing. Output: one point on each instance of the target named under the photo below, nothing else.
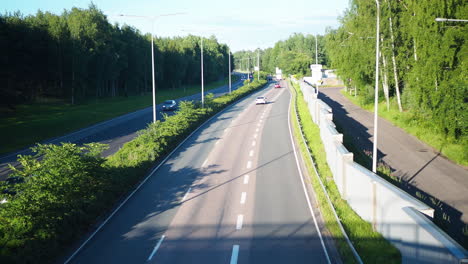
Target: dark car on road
(169, 105)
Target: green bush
(66, 188)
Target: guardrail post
(374, 205)
(347, 159)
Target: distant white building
(330, 74)
(317, 73)
(279, 74)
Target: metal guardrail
(348, 241)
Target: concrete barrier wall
(399, 217)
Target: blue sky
(242, 24)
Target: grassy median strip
(370, 245)
(48, 120)
(64, 192)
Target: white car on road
(261, 100)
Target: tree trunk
(414, 50)
(395, 72)
(383, 72)
(73, 87)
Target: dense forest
(79, 55)
(293, 55)
(424, 63)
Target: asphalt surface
(114, 132)
(421, 168)
(230, 194)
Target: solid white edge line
(156, 247)
(356, 255)
(151, 174)
(186, 194)
(240, 219)
(303, 184)
(243, 197)
(235, 254)
(246, 179)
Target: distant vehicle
(261, 100)
(277, 85)
(169, 105)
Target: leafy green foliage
(430, 58)
(63, 187)
(79, 55)
(293, 55)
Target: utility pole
(248, 68)
(316, 50)
(152, 18)
(202, 86)
(376, 99)
(258, 64)
(229, 71)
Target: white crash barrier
(399, 217)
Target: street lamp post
(152, 71)
(316, 50)
(229, 71)
(202, 84)
(258, 64)
(376, 99)
(153, 19)
(440, 19)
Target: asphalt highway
(232, 193)
(114, 132)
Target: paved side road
(230, 194)
(114, 132)
(422, 169)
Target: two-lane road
(232, 193)
(114, 132)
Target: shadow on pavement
(357, 139)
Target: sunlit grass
(454, 150)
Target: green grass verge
(454, 150)
(371, 246)
(37, 122)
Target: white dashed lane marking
(246, 179)
(240, 219)
(243, 197)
